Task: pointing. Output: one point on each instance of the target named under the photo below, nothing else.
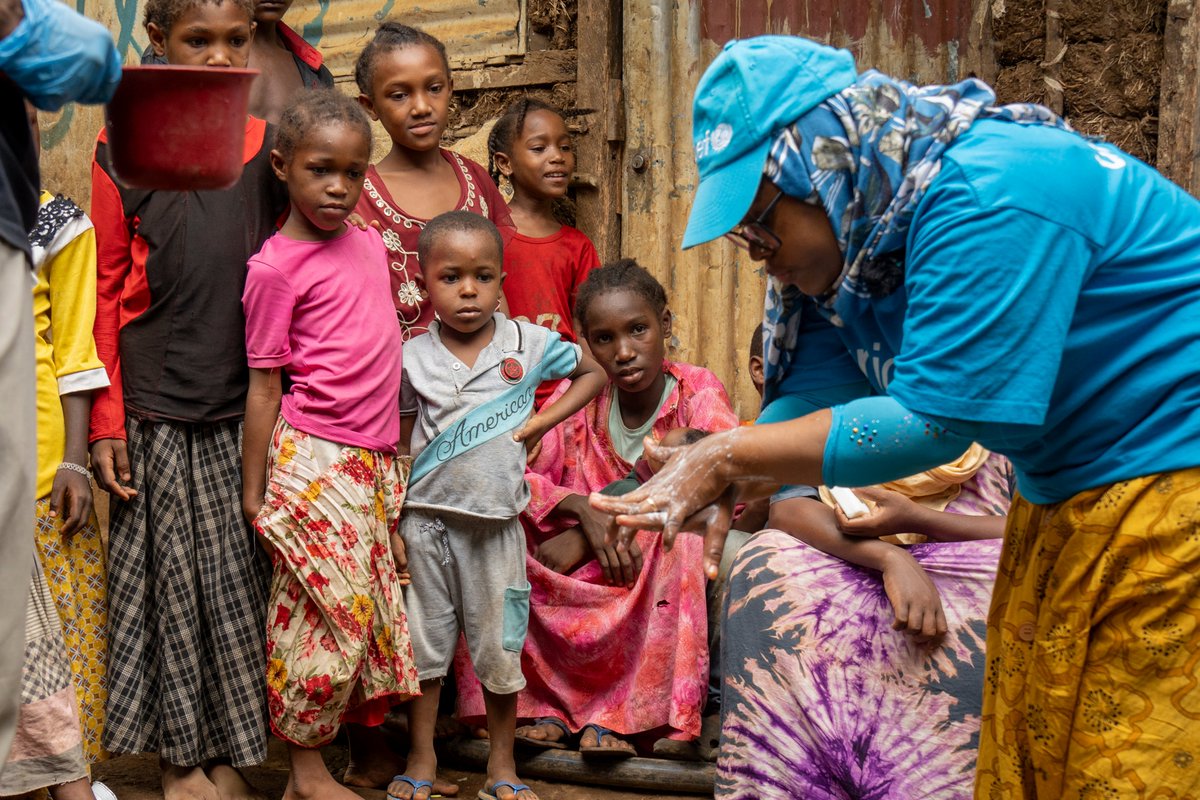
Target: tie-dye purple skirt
(823, 700)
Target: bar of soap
(848, 501)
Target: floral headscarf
(867, 155)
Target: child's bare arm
(915, 600)
(262, 409)
(894, 513)
(407, 423)
(586, 382)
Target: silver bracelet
(82, 470)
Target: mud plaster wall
(1110, 72)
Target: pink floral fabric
(338, 648)
(630, 659)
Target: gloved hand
(56, 55)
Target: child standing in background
(316, 304)
(467, 387)
(287, 62)
(61, 718)
(187, 581)
(404, 79)
(546, 262)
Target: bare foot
(373, 760)
(373, 763)
(231, 784)
(448, 727)
(186, 783)
(317, 790)
(480, 733)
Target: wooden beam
(647, 774)
(539, 67)
(600, 150)
(1179, 99)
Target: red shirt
(543, 276)
(401, 229)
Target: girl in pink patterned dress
(321, 482)
(404, 79)
(617, 642)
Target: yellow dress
(1093, 647)
(64, 307)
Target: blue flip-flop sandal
(546, 744)
(491, 794)
(416, 786)
(599, 751)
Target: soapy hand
(55, 56)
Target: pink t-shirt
(321, 310)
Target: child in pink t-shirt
(324, 489)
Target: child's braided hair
(313, 109)
(625, 275)
(164, 13)
(393, 36)
(509, 126)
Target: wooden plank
(600, 152)
(1179, 99)
(539, 67)
(1056, 50)
(692, 777)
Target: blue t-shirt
(1051, 310)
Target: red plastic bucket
(179, 128)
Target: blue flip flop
(416, 786)
(599, 751)
(546, 744)
(490, 794)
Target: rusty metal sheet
(475, 31)
(923, 40)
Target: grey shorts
(468, 575)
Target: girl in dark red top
(546, 262)
(404, 79)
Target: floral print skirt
(338, 648)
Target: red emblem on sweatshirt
(511, 370)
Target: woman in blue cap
(996, 278)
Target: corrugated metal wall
(715, 293)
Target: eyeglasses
(755, 234)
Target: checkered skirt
(187, 601)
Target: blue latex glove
(56, 55)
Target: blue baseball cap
(753, 89)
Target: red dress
(401, 229)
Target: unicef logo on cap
(714, 141)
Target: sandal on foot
(416, 786)
(492, 794)
(546, 744)
(598, 750)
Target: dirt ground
(136, 778)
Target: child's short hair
(509, 126)
(393, 36)
(456, 222)
(623, 275)
(311, 110)
(692, 435)
(164, 13)
(756, 342)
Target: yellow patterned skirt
(1093, 647)
(75, 571)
